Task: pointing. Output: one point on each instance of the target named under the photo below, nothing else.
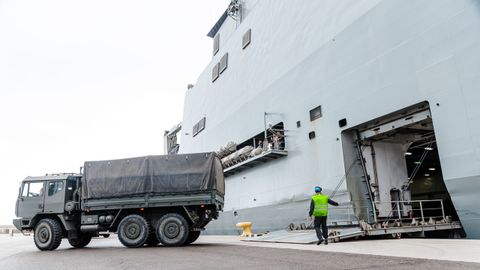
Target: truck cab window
(35, 189)
(25, 189)
(71, 188)
(54, 187)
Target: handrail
(415, 209)
(398, 209)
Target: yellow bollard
(246, 227)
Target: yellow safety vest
(321, 205)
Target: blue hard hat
(318, 189)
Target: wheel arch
(34, 221)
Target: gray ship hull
(359, 62)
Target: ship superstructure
(376, 101)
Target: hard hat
(318, 189)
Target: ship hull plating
(358, 60)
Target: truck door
(54, 196)
(30, 200)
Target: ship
(376, 101)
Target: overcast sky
(91, 80)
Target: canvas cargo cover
(153, 175)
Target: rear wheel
(192, 237)
(172, 230)
(133, 231)
(47, 234)
(81, 241)
(152, 239)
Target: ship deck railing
(255, 161)
(412, 217)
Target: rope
(417, 168)
(334, 192)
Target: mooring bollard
(247, 228)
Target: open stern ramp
(304, 236)
(422, 216)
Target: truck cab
(45, 196)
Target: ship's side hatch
(394, 172)
(264, 147)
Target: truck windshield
(33, 189)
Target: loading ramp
(422, 219)
(339, 234)
(304, 236)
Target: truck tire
(152, 239)
(81, 241)
(47, 234)
(172, 230)
(192, 237)
(133, 231)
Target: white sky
(90, 80)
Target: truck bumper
(18, 223)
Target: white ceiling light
(408, 153)
(431, 169)
(428, 148)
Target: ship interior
(273, 131)
(255, 151)
(401, 163)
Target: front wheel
(133, 231)
(81, 241)
(172, 230)
(47, 234)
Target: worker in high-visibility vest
(319, 210)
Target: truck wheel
(152, 239)
(133, 231)
(81, 241)
(172, 230)
(47, 234)
(192, 237)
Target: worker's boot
(326, 241)
(320, 241)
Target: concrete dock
(228, 252)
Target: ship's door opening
(398, 174)
(426, 182)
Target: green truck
(145, 201)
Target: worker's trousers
(320, 224)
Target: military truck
(145, 201)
